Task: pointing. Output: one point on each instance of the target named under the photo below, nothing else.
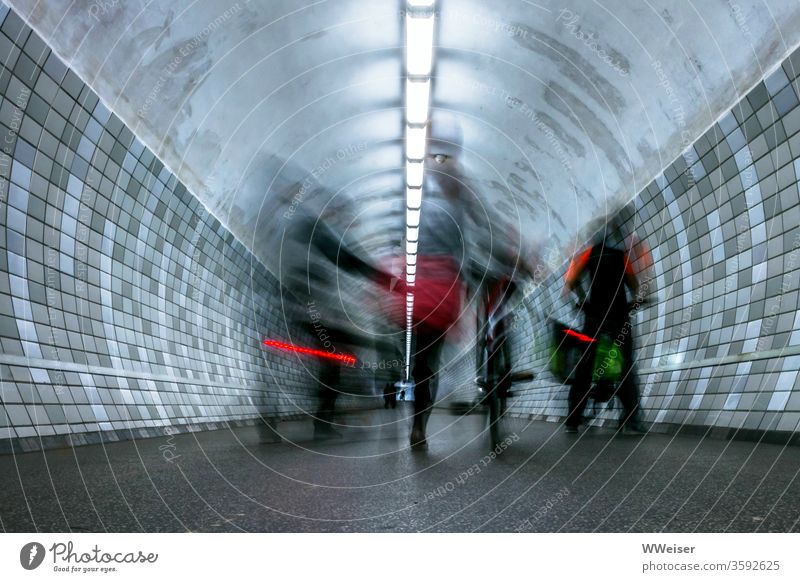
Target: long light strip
(419, 44)
(419, 64)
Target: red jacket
(437, 295)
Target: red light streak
(344, 358)
(580, 336)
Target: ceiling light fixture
(417, 96)
(414, 197)
(419, 44)
(412, 217)
(414, 174)
(415, 142)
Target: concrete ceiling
(566, 109)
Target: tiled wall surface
(123, 303)
(721, 346)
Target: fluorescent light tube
(415, 143)
(417, 97)
(412, 217)
(413, 197)
(419, 44)
(414, 172)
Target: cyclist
(609, 267)
(496, 365)
(498, 358)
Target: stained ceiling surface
(566, 110)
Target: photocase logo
(31, 555)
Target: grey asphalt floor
(369, 481)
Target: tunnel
(188, 190)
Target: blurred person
(389, 395)
(496, 365)
(441, 255)
(505, 274)
(457, 254)
(313, 256)
(403, 390)
(496, 334)
(608, 268)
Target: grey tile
(15, 29)
(26, 70)
(776, 81)
(786, 100)
(758, 96)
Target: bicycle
(609, 360)
(496, 401)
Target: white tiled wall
(124, 305)
(721, 347)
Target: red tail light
(580, 336)
(344, 358)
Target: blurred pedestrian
(608, 271)
(313, 257)
(439, 284)
(389, 395)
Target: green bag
(565, 352)
(608, 361)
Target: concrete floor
(369, 481)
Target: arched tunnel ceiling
(566, 109)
